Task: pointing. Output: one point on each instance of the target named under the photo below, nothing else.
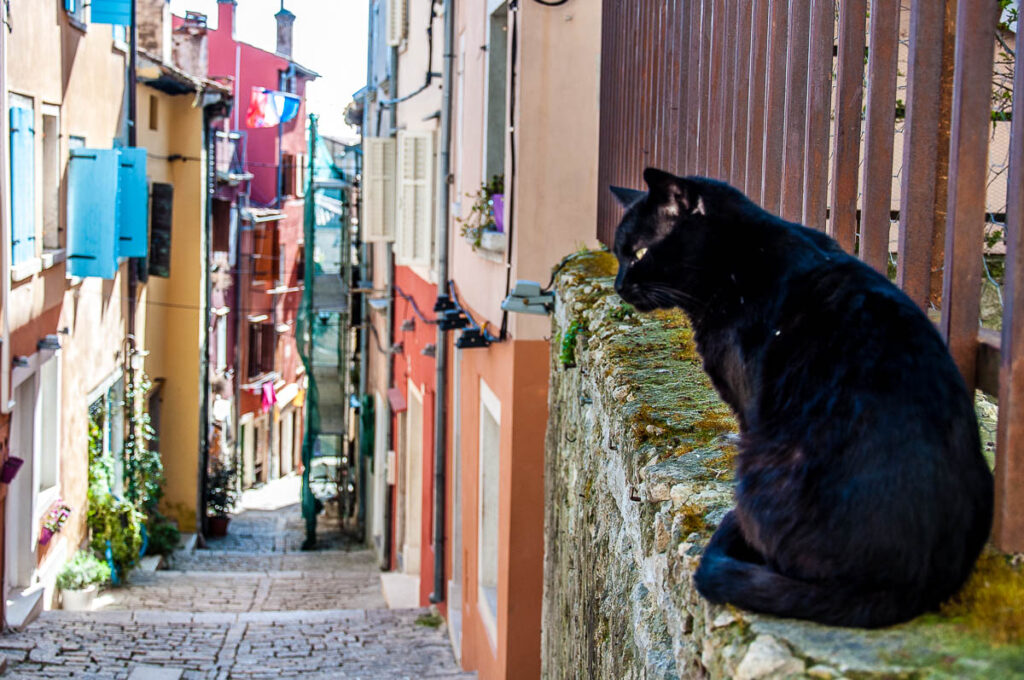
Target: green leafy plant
(220, 489)
(144, 469)
(82, 571)
(118, 522)
(567, 355)
(164, 537)
(481, 213)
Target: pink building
(256, 375)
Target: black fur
(862, 496)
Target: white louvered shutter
(415, 215)
(379, 188)
(396, 22)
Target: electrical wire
(551, 3)
(472, 322)
(415, 307)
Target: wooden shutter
(133, 197)
(253, 360)
(160, 229)
(268, 346)
(396, 22)
(378, 216)
(415, 215)
(264, 249)
(301, 174)
(23, 185)
(92, 212)
(288, 174)
(221, 226)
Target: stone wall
(639, 473)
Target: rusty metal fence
(872, 120)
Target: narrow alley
(250, 605)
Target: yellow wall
(174, 324)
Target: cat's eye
(639, 255)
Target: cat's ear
(671, 194)
(626, 197)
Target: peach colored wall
(82, 72)
(556, 123)
(517, 374)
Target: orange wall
(517, 373)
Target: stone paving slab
(300, 644)
(259, 609)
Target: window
(262, 345)
(23, 179)
(265, 254)
(221, 226)
(288, 174)
(301, 174)
(161, 217)
(76, 11)
(487, 499)
(414, 213)
(497, 102)
(51, 177)
(49, 425)
(106, 412)
(222, 343)
(379, 188)
(106, 187)
(154, 111)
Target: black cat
(862, 496)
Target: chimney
(191, 52)
(285, 19)
(154, 21)
(226, 16)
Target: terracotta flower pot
(218, 525)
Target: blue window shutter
(133, 232)
(117, 12)
(69, 5)
(23, 185)
(92, 212)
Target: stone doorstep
(159, 617)
(25, 607)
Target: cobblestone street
(250, 605)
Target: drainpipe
(6, 402)
(210, 111)
(441, 404)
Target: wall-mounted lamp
(472, 338)
(379, 304)
(397, 348)
(429, 350)
(50, 343)
(21, 362)
(408, 325)
(529, 298)
(65, 331)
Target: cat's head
(662, 230)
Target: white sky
(330, 38)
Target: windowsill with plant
(484, 227)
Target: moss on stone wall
(640, 457)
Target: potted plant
(486, 218)
(54, 521)
(79, 580)
(220, 497)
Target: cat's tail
(756, 587)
